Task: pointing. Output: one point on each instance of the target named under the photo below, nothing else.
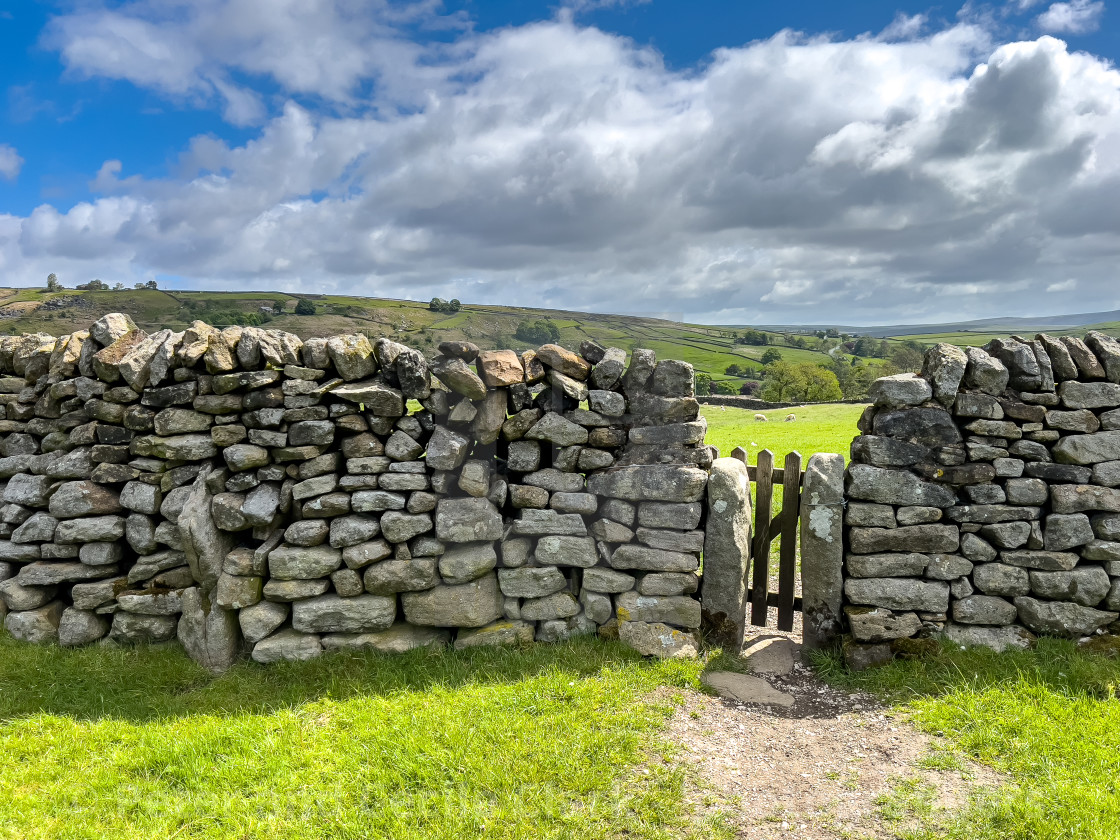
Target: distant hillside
(710, 349)
(1059, 324)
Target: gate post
(727, 552)
(822, 550)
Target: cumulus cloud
(792, 179)
(200, 51)
(1075, 17)
(10, 162)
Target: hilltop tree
(52, 283)
(540, 331)
(446, 306)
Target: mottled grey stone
(1085, 585)
(652, 559)
(464, 563)
(998, 639)
(985, 373)
(1059, 618)
(881, 625)
(944, 366)
(37, 626)
(886, 486)
(287, 645)
(609, 581)
(983, 609)
(289, 562)
(473, 604)
(926, 538)
(81, 627)
(566, 551)
(910, 564)
(899, 593)
(1076, 498)
(391, 576)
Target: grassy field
(556, 741)
(1048, 719)
(818, 428)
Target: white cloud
(1075, 17)
(194, 50)
(10, 162)
(1063, 286)
(863, 181)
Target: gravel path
(813, 768)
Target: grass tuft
(554, 741)
(1048, 718)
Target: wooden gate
(767, 529)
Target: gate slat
(791, 493)
(761, 547)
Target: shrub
(305, 307)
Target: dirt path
(812, 762)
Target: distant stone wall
(243, 491)
(984, 498)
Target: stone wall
(984, 498)
(241, 490)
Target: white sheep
(761, 418)
(790, 418)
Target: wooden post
(760, 554)
(787, 568)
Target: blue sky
(740, 162)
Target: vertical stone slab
(205, 545)
(210, 634)
(822, 550)
(727, 551)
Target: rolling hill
(710, 349)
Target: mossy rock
(859, 656)
(915, 648)
(1103, 645)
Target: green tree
(784, 382)
(821, 384)
(733, 370)
(52, 283)
(453, 305)
(771, 356)
(753, 337)
(908, 356)
(703, 384)
(151, 284)
(305, 307)
(726, 387)
(540, 331)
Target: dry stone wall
(243, 491)
(984, 498)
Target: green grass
(555, 741)
(818, 428)
(1048, 719)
